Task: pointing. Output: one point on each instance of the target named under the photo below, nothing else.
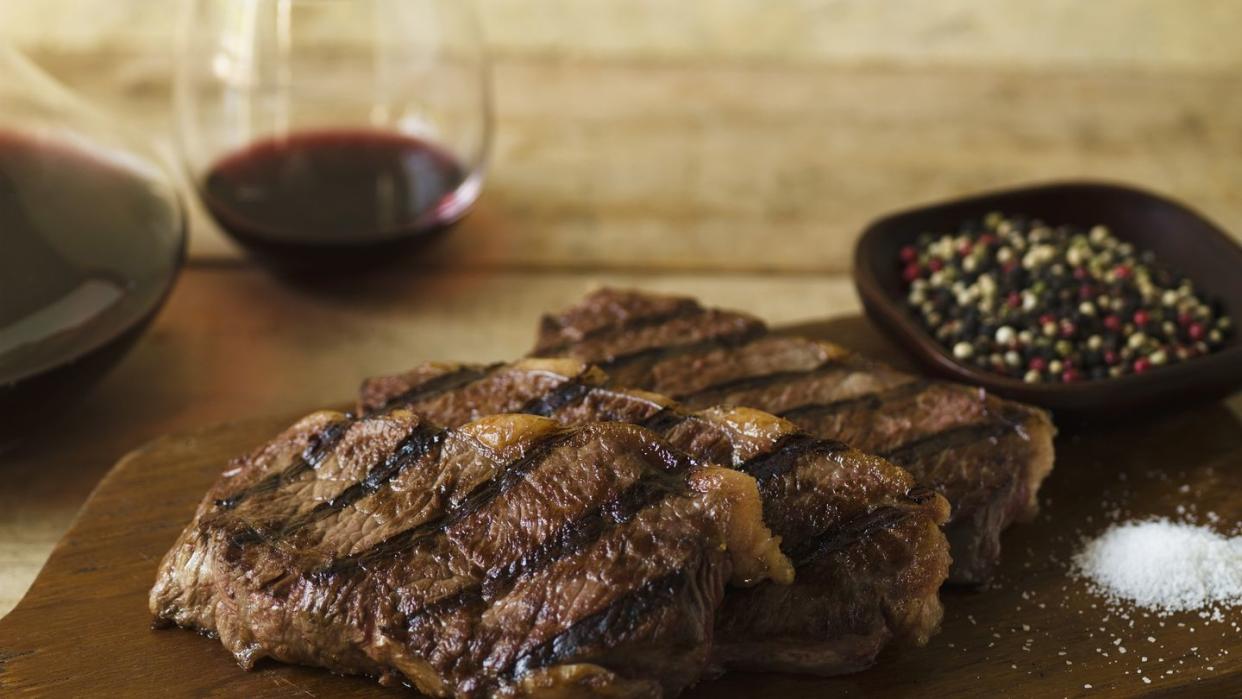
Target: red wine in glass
(328, 196)
(89, 246)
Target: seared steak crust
(987, 456)
(508, 556)
(865, 539)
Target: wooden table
(741, 178)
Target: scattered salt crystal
(1146, 680)
(1165, 566)
(1086, 686)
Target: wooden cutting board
(83, 628)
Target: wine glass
(92, 235)
(322, 131)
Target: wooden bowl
(1180, 238)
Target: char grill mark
(506, 478)
(621, 363)
(952, 438)
(421, 442)
(444, 383)
(424, 440)
(565, 394)
(624, 613)
(321, 444)
(718, 392)
(664, 420)
(630, 324)
(785, 454)
(571, 539)
(867, 401)
(846, 535)
(576, 535)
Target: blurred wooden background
(644, 133)
(727, 148)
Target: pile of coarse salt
(1164, 566)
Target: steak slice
(510, 556)
(869, 553)
(986, 455)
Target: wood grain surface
(84, 627)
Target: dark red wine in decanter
(89, 246)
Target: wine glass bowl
(319, 130)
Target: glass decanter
(92, 233)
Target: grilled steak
(511, 556)
(869, 552)
(987, 456)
